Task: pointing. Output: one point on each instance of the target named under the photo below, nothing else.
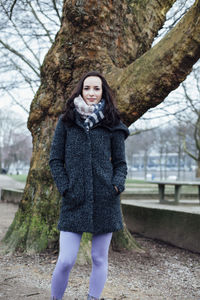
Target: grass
(21, 177)
(128, 181)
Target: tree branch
(145, 13)
(11, 9)
(23, 39)
(51, 19)
(17, 102)
(189, 99)
(21, 56)
(187, 151)
(147, 81)
(56, 10)
(181, 7)
(27, 79)
(40, 22)
(197, 133)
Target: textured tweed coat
(85, 166)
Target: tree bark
(147, 81)
(113, 37)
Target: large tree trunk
(113, 37)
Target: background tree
(27, 29)
(165, 152)
(140, 143)
(192, 118)
(114, 38)
(185, 118)
(15, 141)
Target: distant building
(155, 161)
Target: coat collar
(121, 126)
(78, 120)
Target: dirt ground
(163, 272)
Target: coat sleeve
(119, 160)
(57, 158)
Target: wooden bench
(177, 189)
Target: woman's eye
(95, 89)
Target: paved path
(163, 272)
(188, 206)
(16, 271)
(7, 182)
(7, 212)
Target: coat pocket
(72, 198)
(114, 191)
(111, 194)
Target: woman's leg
(69, 246)
(100, 247)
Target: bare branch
(53, 20)
(138, 131)
(22, 57)
(22, 39)
(188, 152)
(165, 114)
(189, 98)
(27, 79)
(56, 9)
(17, 102)
(197, 133)
(12, 7)
(40, 22)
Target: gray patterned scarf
(91, 113)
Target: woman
(87, 162)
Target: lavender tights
(69, 246)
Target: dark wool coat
(85, 166)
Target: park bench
(177, 189)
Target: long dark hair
(111, 112)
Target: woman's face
(92, 90)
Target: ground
(163, 272)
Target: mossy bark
(113, 37)
(84, 254)
(33, 228)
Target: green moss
(16, 235)
(84, 254)
(34, 226)
(40, 234)
(62, 40)
(87, 237)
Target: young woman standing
(87, 162)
